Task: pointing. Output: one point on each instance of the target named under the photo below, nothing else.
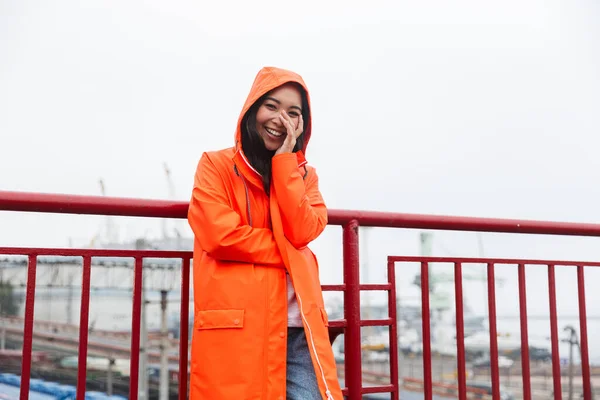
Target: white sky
(458, 108)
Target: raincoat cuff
(286, 161)
(296, 159)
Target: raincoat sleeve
(219, 229)
(302, 208)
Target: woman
(260, 326)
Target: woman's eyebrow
(273, 99)
(279, 102)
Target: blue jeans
(301, 381)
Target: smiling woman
(260, 328)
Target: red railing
(525, 359)
(87, 255)
(350, 326)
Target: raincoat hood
(267, 79)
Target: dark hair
(253, 144)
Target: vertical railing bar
(135, 329)
(393, 313)
(556, 374)
(425, 319)
(585, 358)
(28, 327)
(524, 334)
(184, 329)
(352, 345)
(460, 333)
(495, 371)
(83, 326)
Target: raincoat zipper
(312, 342)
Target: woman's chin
(272, 146)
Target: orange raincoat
(244, 243)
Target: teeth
(274, 133)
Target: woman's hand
(293, 132)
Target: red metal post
(585, 358)
(425, 320)
(83, 327)
(491, 281)
(556, 375)
(524, 334)
(460, 333)
(394, 374)
(134, 362)
(352, 348)
(28, 327)
(184, 329)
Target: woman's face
(268, 124)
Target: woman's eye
(270, 106)
(293, 114)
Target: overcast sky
(458, 108)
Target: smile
(274, 133)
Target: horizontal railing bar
(498, 261)
(333, 288)
(377, 286)
(42, 252)
(376, 322)
(338, 324)
(460, 223)
(378, 389)
(102, 205)
(93, 205)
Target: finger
(290, 120)
(300, 129)
(288, 126)
(284, 120)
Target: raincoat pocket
(220, 319)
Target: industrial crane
(171, 188)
